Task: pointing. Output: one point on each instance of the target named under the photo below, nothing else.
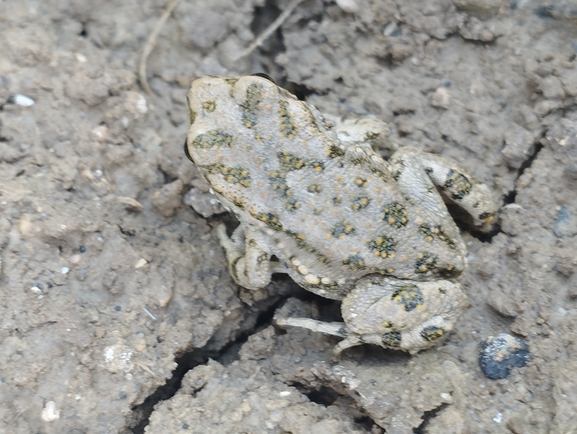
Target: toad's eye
(263, 75)
(186, 152)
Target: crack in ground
(509, 197)
(327, 396)
(427, 417)
(225, 354)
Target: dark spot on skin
(450, 271)
(271, 220)
(289, 161)
(232, 175)
(249, 106)
(278, 183)
(383, 246)
(191, 116)
(395, 214)
(432, 333)
(410, 296)
(314, 188)
(342, 229)
(392, 339)
(334, 151)
(425, 229)
(356, 262)
(425, 262)
(361, 202)
(211, 139)
(209, 106)
(444, 237)
(459, 183)
(292, 204)
(287, 126)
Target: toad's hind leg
(392, 313)
(248, 257)
(456, 185)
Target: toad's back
(279, 166)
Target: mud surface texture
(118, 313)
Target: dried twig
(149, 46)
(270, 29)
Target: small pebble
(100, 133)
(22, 100)
(501, 353)
(50, 412)
(441, 98)
(75, 259)
(130, 204)
(563, 226)
(82, 249)
(64, 270)
(390, 29)
(348, 6)
(140, 263)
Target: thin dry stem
(270, 29)
(149, 46)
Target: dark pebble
(501, 353)
(82, 249)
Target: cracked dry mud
(118, 313)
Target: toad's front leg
(248, 257)
(416, 171)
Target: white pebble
(141, 106)
(140, 263)
(50, 413)
(348, 6)
(100, 133)
(23, 100)
(64, 270)
(390, 28)
(447, 397)
(441, 98)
